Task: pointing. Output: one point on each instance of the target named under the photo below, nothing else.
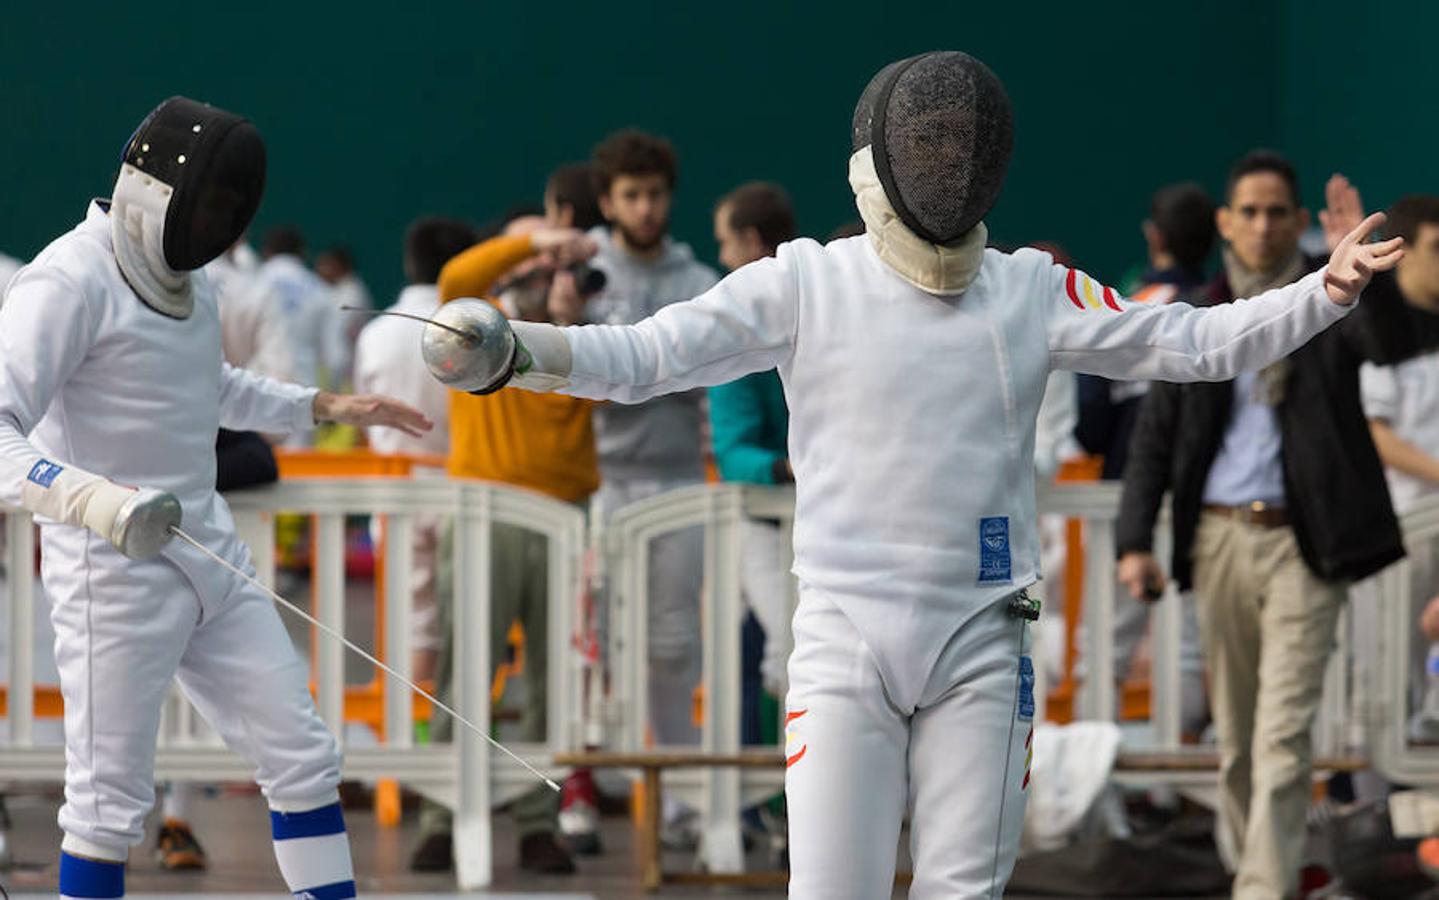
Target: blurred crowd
(1285, 486)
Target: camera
(589, 280)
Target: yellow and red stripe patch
(1076, 283)
(791, 737)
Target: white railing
(464, 775)
(453, 774)
(720, 793)
(1382, 705)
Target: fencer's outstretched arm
(744, 324)
(253, 402)
(46, 330)
(250, 401)
(1091, 330)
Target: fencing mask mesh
(941, 131)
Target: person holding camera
(536, 272)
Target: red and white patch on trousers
(794, 748)
(1028, 758)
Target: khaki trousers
(1268, 625)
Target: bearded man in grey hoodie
(655, 446)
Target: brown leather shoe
(177, 850)
(542, 854)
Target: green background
(378, 113)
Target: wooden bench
(1208, 761)
(652, 763)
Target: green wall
(1361, 97)
(377, 114)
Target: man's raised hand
(1343, 210)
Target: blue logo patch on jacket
(44, 472)
(1026, 689)
(994, 565)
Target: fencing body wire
(368, 657)
(1024, 609)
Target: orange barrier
(360, 463)
(1134, 692)
(48, 702)
(363, 704)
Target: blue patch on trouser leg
(1026, 689)
(90, 878)
(314, 853)
(312, 823)
(343, 890)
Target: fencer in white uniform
(111, 377)
(914, 366)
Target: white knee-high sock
(314, 852)
(176, 804)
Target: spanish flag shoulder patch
(1086, 293)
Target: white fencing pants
(123, 630)
(957, 763)
(767, 587)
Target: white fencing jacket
(912, 416)
(93, 378)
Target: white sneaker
(580, 828)
(579, 818)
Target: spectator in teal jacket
(750, 423)
(750, 426)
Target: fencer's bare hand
(1354, 261)
(1141, 575)
(563, 246)
(369, 410)
(1343, 210)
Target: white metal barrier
(1382, 705)
(464, 775)
(720, 793)
(453, 774)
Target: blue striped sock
(314, 853)
(90, 878)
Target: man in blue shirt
(1278, 502)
